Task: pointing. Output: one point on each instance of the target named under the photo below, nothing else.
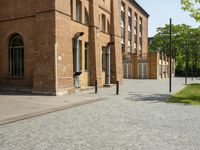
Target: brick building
(55, 46)
(134, 42)
(159, 66)
(138, 63)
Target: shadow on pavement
(148, 97)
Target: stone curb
(47, 111)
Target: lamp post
(197, 62)
(169, 33)
(192, 68)
(187, 47)
(170, 61)
(186, 61)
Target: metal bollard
(117, 88)
(96, 87)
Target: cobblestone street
(137, 119)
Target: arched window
(16, 53)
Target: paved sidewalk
(16, 106)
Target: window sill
(15, 78)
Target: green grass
(190, 95)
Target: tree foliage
(192, 6)
(185, 44)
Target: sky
(161, 10)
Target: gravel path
(138, 119)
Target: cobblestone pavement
(138, 119)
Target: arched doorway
(16, 56)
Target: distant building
(159, 64)
(150, 40)
(134, 42)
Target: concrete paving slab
(19, 106)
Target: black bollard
(96, 86)
(117, 88)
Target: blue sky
(161, 10)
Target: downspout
(108, 72)
(77, 71)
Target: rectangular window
(135, 38)
(122, 19)
(108, 26)
(129, 23)
(129, 30)
(140, 46)
(122, 7)
(140, 34)
(86, 17)
(129, 36)
(130, 12)
(122, 33)
(78, 10)
(135, 45)
(122, 48)
(103, 23)
(129, 49)
(122, 25)
(141, 26)
(122, 41)
(135, 32)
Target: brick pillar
(44, 76)
(63, 50)
(153, 64)
(116, 53)
(94, 64)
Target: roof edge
(140, 7)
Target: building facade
(134, 42)
(55, 46)
(159, 66)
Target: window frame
(16, 57)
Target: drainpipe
(108, 73)
(77, 71)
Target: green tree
(185, 44)
(192, 6)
